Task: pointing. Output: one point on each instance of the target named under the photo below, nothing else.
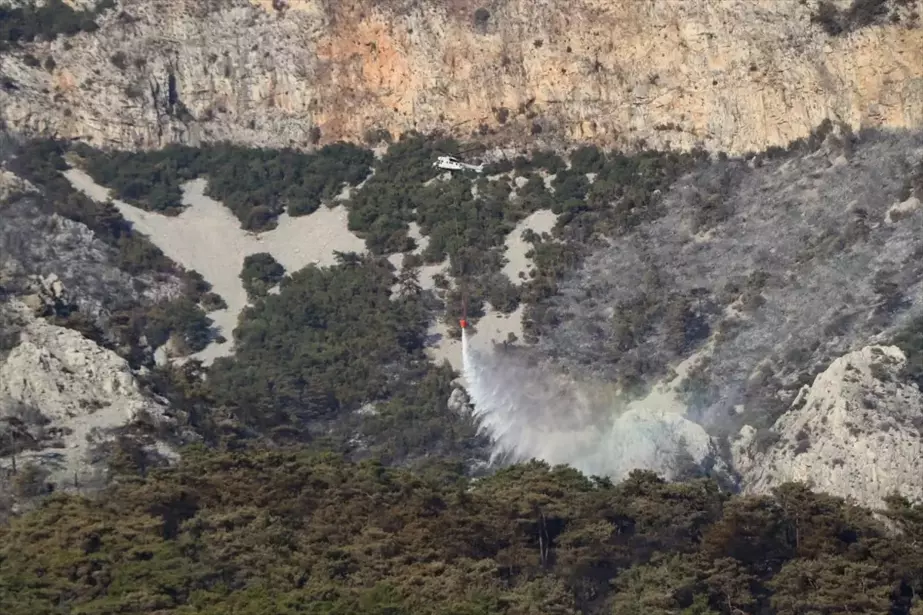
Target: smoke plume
(531, 411)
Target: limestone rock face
(735, 75)
(856, 432)
(75, 391)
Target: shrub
(481, 17)
(213, 301)
(587, 159)
(260, 273)
(765, 438)
(119, 60)
(860, 14)
(181, 319)
(32, 481)
(828, 17)
(374, 136)
(314, 135)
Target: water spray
(531, 411)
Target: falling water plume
(529, 410)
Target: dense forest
(256, 184)
(465, 218)
(331, 341)
(296, 532)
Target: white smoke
(529, 411)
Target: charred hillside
(771, 266)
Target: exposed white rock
(11, 184)
(459, 402)
(83, 391)
(518, 265)
(855, 433)
(902, 209)
(206, 237)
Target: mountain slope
(731, 75)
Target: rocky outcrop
(12, 185)
(46, 258)
(61, 396)
(856, 432)
(734, 75)
(48, 294)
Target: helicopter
(451, 163)
(454, 163)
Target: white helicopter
(451, 163)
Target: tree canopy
(300, 532)
(256, 184)
(260, 273)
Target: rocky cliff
(730, 74)
(856, 432)
(61, 397)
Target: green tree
(830, 585)
(260, 272)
